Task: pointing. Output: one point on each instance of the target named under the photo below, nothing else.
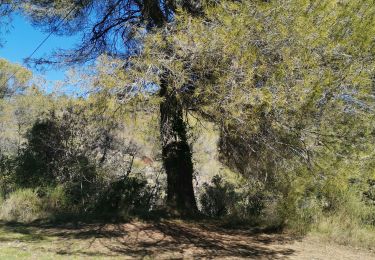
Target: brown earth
(162, 240)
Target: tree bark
(177, 156)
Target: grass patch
(339, 230)
(23, 205)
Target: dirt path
(161, 240)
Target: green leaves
(13, 78)
(282, 79)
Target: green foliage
(19, 113)
(282, 80)
(6, 9)
(124, 197)
(55, 201)
(218, 198)
(7, 166)
(18, 82)
(38, 162)
(289, 85)
(369, 192)
(23, 205)
(240, 200)
(306, 199)
(78, 160)
(58, 152)
(352, 223)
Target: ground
(168, 239)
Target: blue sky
(22, 40)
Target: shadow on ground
(165, 239)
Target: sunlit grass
(19, 241)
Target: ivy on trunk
(177, 156)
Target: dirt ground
(161, 240)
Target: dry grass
(344, 231)
(24, 205)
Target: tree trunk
(177, 156)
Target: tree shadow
(199, 242)
(28, 234)
(165, 239)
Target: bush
(252, 198)
(218, 198)
(128, 195)
(56, 202)
(7, 165)
(244, 201)
(352, 223)
(23, 205)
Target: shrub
(128, 195)
(7, 165)
(351, 223)
(23, 205)
(244, 200)
(252, 198)
(55, 201)
(218, 198)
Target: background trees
(114, 28)
(18, 83)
